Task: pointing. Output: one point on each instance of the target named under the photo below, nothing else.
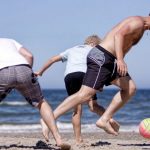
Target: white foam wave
(14, 103)
(63, 127)
(67, 127)
(129, 128)
(19, 128)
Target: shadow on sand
(144, 145)
(39, 145)
(100, 143)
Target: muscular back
(124, 35)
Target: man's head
(92, 40)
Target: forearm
(45, 67)
(119, 47)
(49, 63)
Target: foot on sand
(106, 126)
(79, 141)
(45, 130)
(114, 124)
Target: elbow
(30, 56)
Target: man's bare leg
(45, 130)
(76, 121)
(127, 91)
(83, 95)
(99, 110)
(48, 117)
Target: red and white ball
(144, 128)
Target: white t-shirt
(76, 58)
(9, 53)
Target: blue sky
(48, 27)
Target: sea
(16, 115)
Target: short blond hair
(93, 39)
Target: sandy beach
(92, 141)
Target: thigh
(124, 82)
(87, 92)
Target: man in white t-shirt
(16, 72)
(74, 73)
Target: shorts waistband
(17, 65)
(27, 65)
(105, 51)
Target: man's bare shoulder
(136, 19)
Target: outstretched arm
(48, 64)
(28, 55)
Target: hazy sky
(48, 27)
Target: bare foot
(106, 126)
(114, 124)
(45, 130)
(79, 141)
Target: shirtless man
(76, 66)
(106, 66)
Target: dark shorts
(73, 82)
(101, 68)
(23, 79)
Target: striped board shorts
(101, 69)
(22, 78)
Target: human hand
(37, 74)
(122, 68)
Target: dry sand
(92, 141)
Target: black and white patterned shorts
(22, 78)
(101, 68)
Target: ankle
(79, 140)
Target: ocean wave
(14, 103)
(93, 128)
(63, 127)
(5, 128)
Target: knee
(40, 104)
(84, 96)
(132, 89)
(34, 102)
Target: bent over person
(76, 67)
(106, 65)
(16, 72)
